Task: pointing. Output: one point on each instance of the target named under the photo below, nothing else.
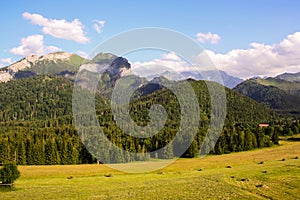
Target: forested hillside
(37, 125)
(276, 93)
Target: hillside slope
(289, 76)
(59, 63)
(278, 94)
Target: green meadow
(269, 173)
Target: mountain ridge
(289, 76)
(63, 63)
(226, 79)
(276, 93)
(37, 64)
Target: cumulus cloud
(6, 61)
(33, 44)
(171, 56)
(208, 37)
(168, 62)
(98, 25)
(258, 60)
(62, 29)
(261, 59)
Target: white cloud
(171, 56)
(98, 25)
(33, 44)
(59, 28)
(168, 62)
(6, 61)
(258, 60)
(83, 54)
(208, 37)
(261, 59)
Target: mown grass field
(278, 177)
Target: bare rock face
(5, 76)
(119, 67)
(8, 73)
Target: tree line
(26, 145)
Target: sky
(244, 38)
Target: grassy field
(270, 173)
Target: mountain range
(281, 93)
(65, 64)
(62, 67)
(226, 79)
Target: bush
(9, 173)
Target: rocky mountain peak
(9, 72)
(120, 67)
(113, 65)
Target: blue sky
(222, 27)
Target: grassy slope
(289, 87)
(54, 67)
(181, 180)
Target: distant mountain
(67, 64)
(281, 93)
(289, 77)
(59, 63)
(227, 80)
(278, 94)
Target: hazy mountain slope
(289, 76)
(227, 80)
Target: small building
(263, 125)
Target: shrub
(9, 173)
(108, 175)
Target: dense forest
(37, 125)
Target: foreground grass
(278, 177)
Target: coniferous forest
(37, 125)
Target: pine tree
(21, 153)
(167, 152)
